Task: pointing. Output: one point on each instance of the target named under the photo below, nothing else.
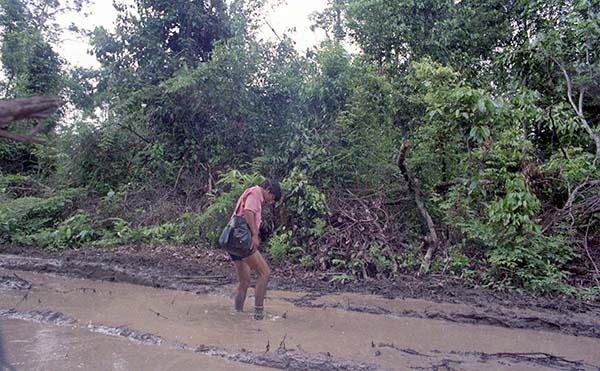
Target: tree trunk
(432, 240)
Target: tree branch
(37, 129)
(37, 108)
(578, 108)
(433, 241)
(21, 138)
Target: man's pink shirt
(252, 200)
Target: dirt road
(51, 321)
(56, 322)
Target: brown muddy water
(51, 322)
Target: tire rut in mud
(297, 359)
(447, 360)
(100, 270)
(492, 316)
(14, 282)
(281, 358)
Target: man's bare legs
(257, 263)
(243, 273)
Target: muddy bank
(207, 271)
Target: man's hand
(254, 245)
(250, 219)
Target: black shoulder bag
(236, 237)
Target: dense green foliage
(497, 99)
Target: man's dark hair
(273, 187)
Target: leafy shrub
(279, 246)
(319, 228)
(410, 259)
(566, 173)
(457, 263)
(123, 232)
(307, 262)
(98, 157)
(340, 279)
(151, 234)
(188, 229)
(16, 157)
(518, 252)
(358, 146)
(153, 163)
(28, 215)
(110, 204)
(307, 209)
(72, 232)
(379, 258)
(11, 184)
(12, 180)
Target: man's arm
(250, 219)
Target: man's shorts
(235, 257)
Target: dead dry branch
(432, 241)
(583, 204)
(361, 222)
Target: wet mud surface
(182, 307)
(179, 324)
(41, 345)
(279, 359)
(205, 271)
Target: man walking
(249, 206)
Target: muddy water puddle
(41, 346)
(141, 326)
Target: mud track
(179, 309)
(205, 271)
(298, 360)
(293, 360)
